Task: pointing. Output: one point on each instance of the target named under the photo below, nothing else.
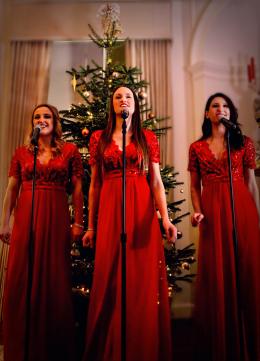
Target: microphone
(36, 134)
(228, 124)
(124, 114)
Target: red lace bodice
(113, 154)
(56, 172)
(204, 162)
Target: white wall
(225, 39)
(66, 55)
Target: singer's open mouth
(43, 125)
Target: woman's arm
(158, 191)
(10, 198)
(77, 201)
(253, 189)
(195, 191)
(93, 203)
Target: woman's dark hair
(56, 140)
(138, 136)
(236, 136)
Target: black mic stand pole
(236, 252)
(123, 243)
(30, 261)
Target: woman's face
(123, 99)
(218, 109)
(43, 117)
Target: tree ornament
(74, 82)
(179, 234)
(185, 265)
(86, 94)
(109, 14)
(85, 132)
(75, 252)
(90, 115)
(84, 154)
(115, 74)
(142, 95)
(151, 115)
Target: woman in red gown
(216, 302)
(148, 335)
(51, 324)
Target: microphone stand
(30, 259)
(236, 253)
(123, 244)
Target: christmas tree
(95, 84)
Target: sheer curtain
(153, 58)
(29, 78)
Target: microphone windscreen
(124, 113)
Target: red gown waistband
(48, 186)
(129, 173)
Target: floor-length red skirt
(216, 305)
(51, 326)
(148, 335)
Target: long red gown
(51, 318)
(148, 336)
(216, 299)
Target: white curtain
(152, 57)
(29, 78)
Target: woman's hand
(88, 239)
(76, 232)
(5, 234)
(170, 230)
(196, 218)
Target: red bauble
(85, 132)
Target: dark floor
(182, 337)
(182, 340)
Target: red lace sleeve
(193, 165)
(15, 167)
(250, 154)
(76, 163)
(93, 145)
(153, 146)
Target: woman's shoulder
(149, 134)
(97, 134)
(21, 150)
(69, 146)
(69, 149)
(248, 141)
(249, 146)
(94, 139)
(198, 144)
